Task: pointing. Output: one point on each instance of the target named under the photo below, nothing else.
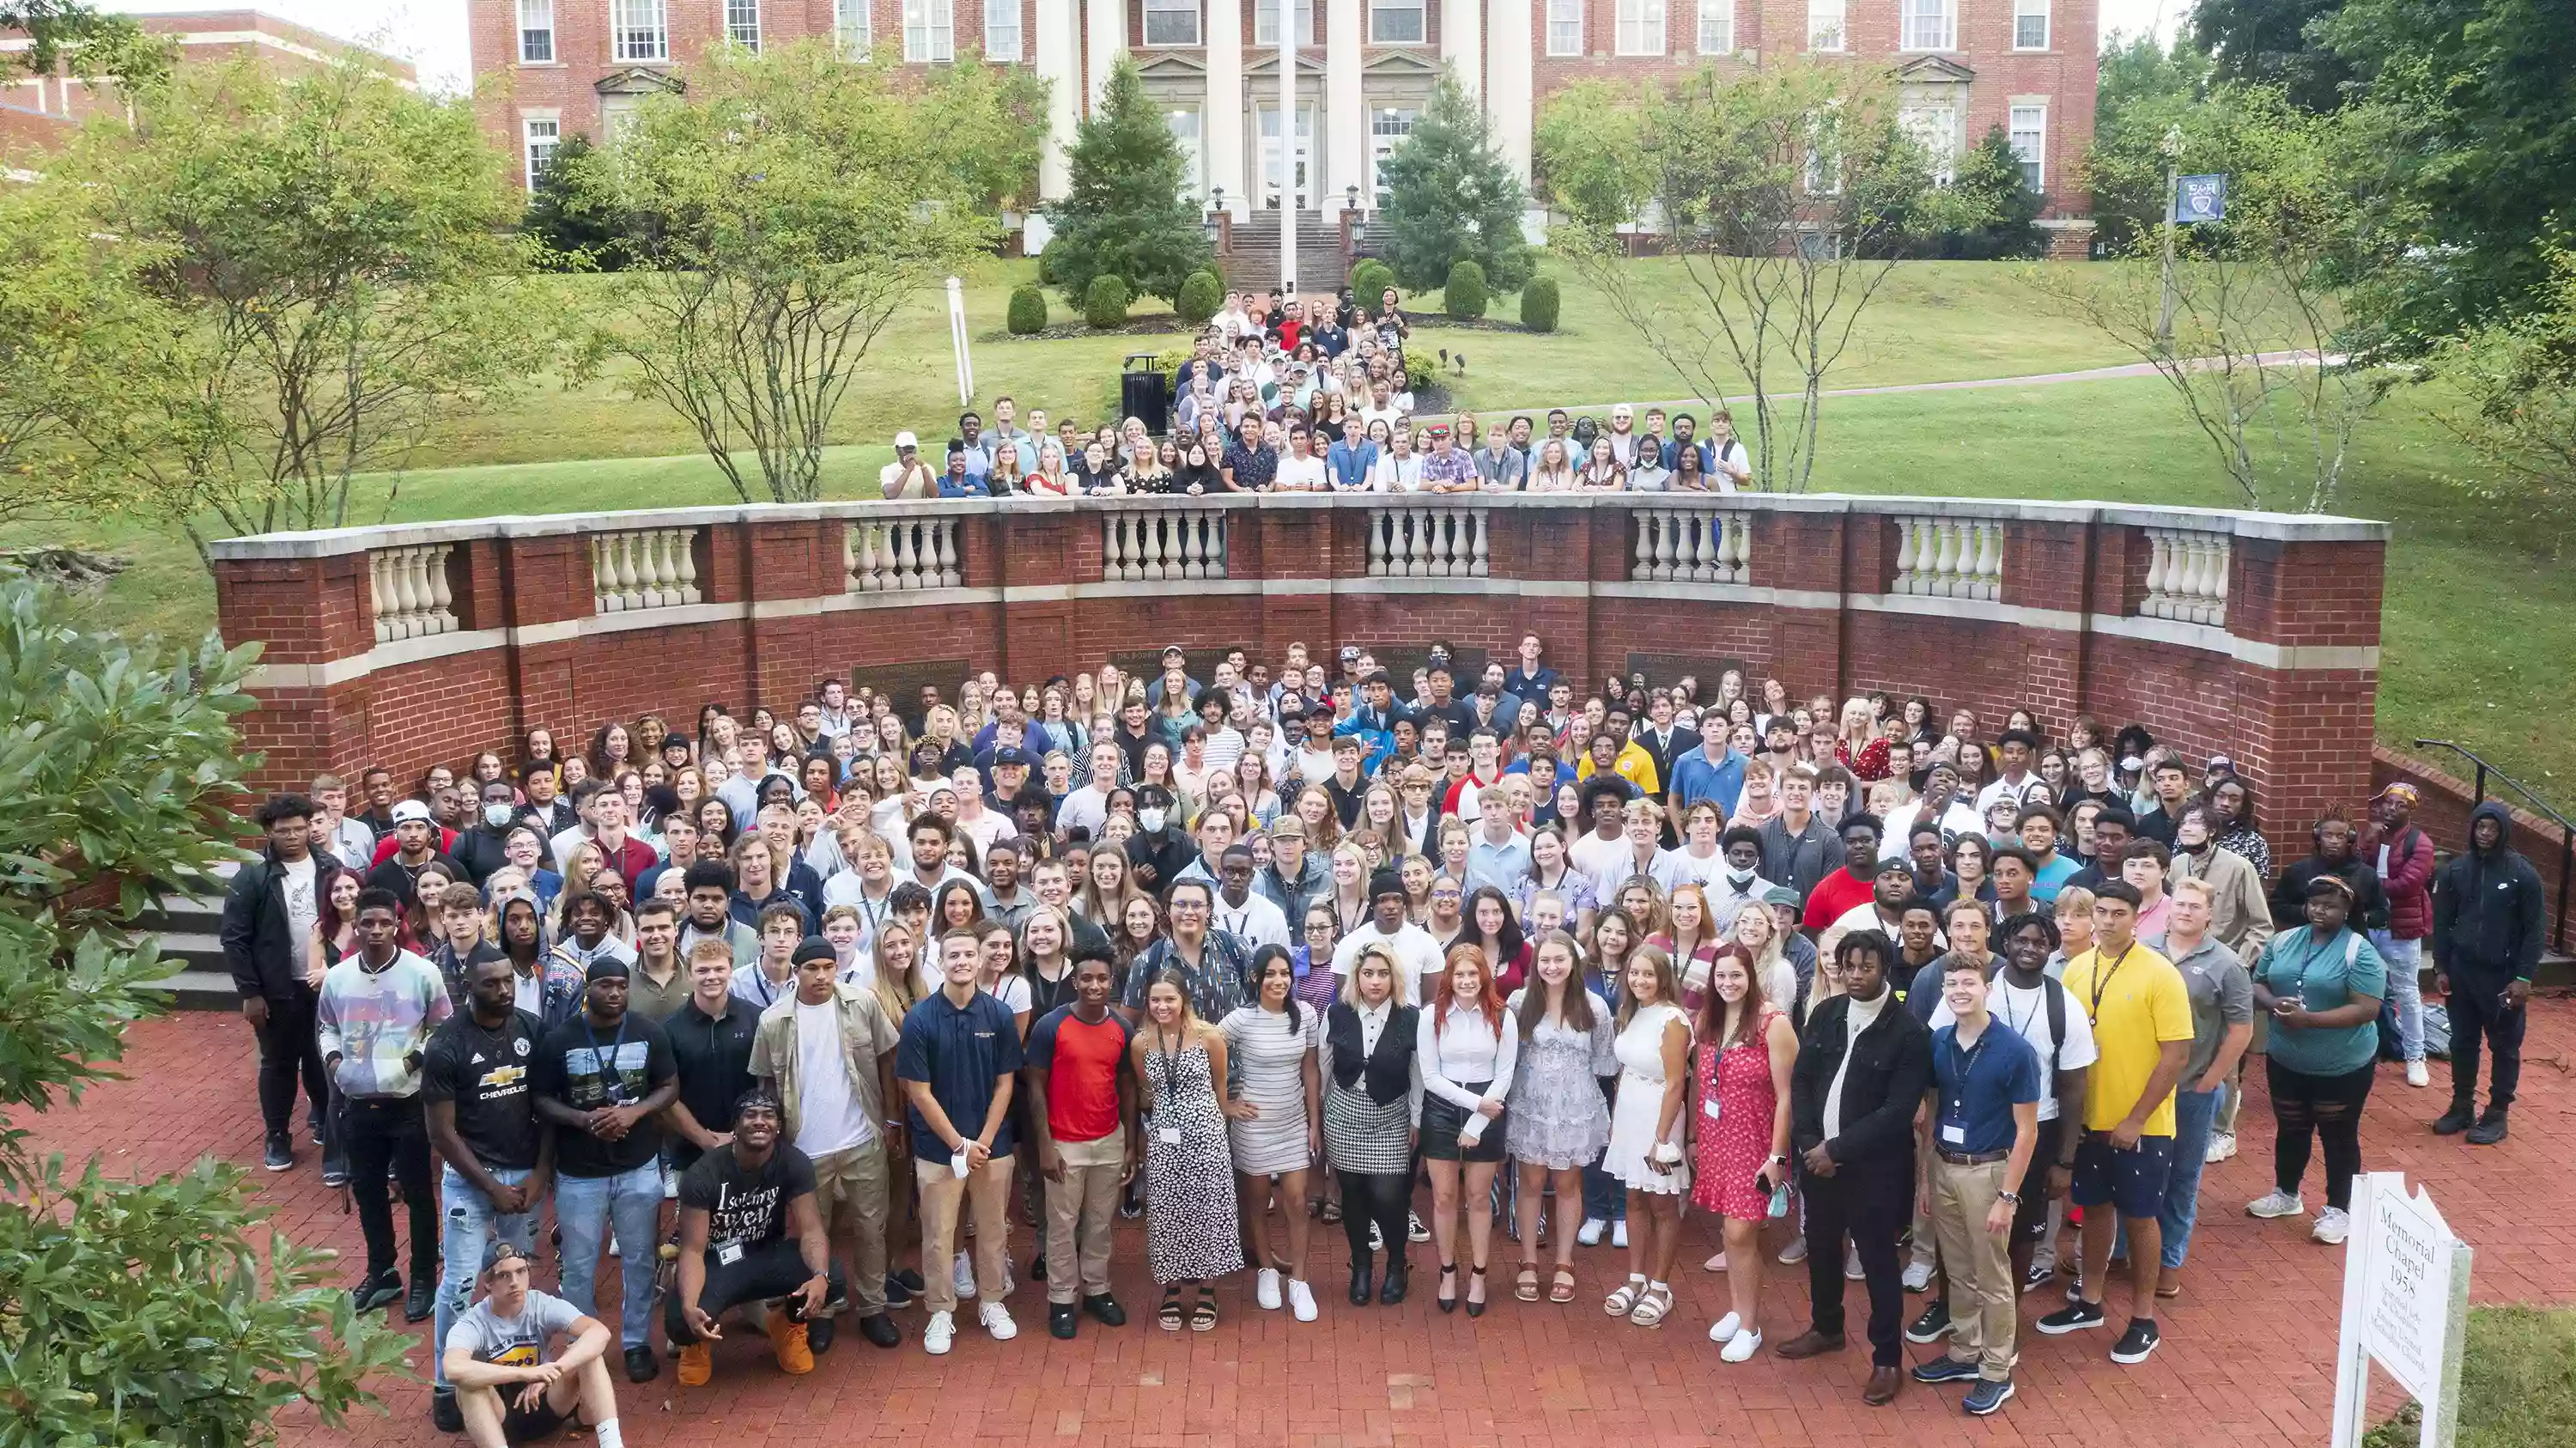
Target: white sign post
(2405, 1306)
(957, 338)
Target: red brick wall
(2442, 811)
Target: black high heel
(1446, 1294)
(1474, 1307)
(1360, 1273)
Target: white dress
(1640, 1105)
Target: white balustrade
(1148, 547)
(1423, 542)
(1691, 545)
(1950, 557)
(2186, 575)
(901, 555)
(412, 596)
(641, 568)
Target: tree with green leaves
(151, 1310)
(1451, 197)
(1785, 193)
(1126, 211)
(2278, 43)
(1591, 152)
(2006, 209)
(570, 229)
(106, 45)
(2145, 91)
(324, 265)
(788, 206)
(2517, 384)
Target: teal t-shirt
(2323, 973)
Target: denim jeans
(584, 1209)
(1604, 1198)
(2193, 1113)
(2405, 988)
(469, 1227)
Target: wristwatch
(2012, 1197)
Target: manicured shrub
(1538, 304)
(1105, 303)
(1028, 314)
(1369, 281)
(1200, 296)
(1464, 297)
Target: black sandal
(1170, 1312)
(1203, 1312)
(1332, 1211)
(1446, 1294)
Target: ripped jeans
(2325, 1109)
(467, 1225)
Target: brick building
(1362, 69)
(38, 107)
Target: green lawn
(2517, 1383)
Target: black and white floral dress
(1190, 1228)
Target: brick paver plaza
(2247, 1359)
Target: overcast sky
(431, 33)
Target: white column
(1462, 42)
(1105, 37)
(1508, 44)
(1221, 115)
(1346, 123)
(1288, 206)
(1058, 48)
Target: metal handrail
(2566, 827)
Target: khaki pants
(941, 1192)
(852, 1194)
(1983, 1299)
(1080, 1211)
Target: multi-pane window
(742, 23)
(929, 30)
(2030, 24)
(1930, 24)
(1171, 22)
(852, 28)
(536, 32)
(1565, 27)
(542, 137)
(1387, 130)
(1184, 124)
(1934, 125)
(1001, 29)
(1641, 27)
(641, 29)
(1265, 22)
(1396, 22)
(2028, 132)
(1717, 27)
(1824, 24)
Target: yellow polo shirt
(1634, 765)
(2136, 1003)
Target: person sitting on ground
(506, 1388)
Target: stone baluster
(951, 569)
(1477, 558)
(2187, 575)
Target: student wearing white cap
(907, 476)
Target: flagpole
(2173, 201)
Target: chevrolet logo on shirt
(502, 1077)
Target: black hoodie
(2487, 906)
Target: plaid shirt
(1449, 468)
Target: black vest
(1389, 1067)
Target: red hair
(1488, 1003)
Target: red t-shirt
(1835, 896)
(1081, 1062)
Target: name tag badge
(1709, 1107)
(1171, 1135)
(728, 1254)
(1954, 1133)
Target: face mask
(1149, 820)
(496, 815)
(1739, 879)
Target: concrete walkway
(1970, 384)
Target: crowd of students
(1309, 395)
(867, 982)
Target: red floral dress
(1728, 1151)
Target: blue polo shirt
(959, 1052)
(1696, 779)
(1980, 1086)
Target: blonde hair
(1378, 950)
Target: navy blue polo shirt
(959, 1053)
(1980, 1086)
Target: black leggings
(2330, 1108)
(1380, 1197)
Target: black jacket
(2487, 907)
(482, 852)
(258, 939)
(1891, 1068)
(2369, 901)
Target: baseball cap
(1350, 653)
(408, 810)
(2220, 763)
(1010, 754)
(502, 1249)
(2405, 794)
(906, 440)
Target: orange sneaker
(787, 1339)
(697, 1365)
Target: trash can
(1144, 392)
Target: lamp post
(2172, 148)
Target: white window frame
(853, 28)
(1828, 25)
(536, 32)
(1168, 9)
(929, 32)
(1715, 28)
(1384, 10)
(1936, 129)
(531, 143)
(1644, 27)
(639, 30)
(2034, 155)
(1265, 22)
(1002, 30)
(2028, 10)
(1192, 139)
(742, 23)
(1927, 25)
(1564, 27)
(1388, 126)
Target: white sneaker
(1741, 1347)
(670, 1183)
(962, 1275)
(2333, 1225)
(2276, 1203)
(940, 1335)
(1590, 1234)
(997, 1321)
(1377, 1239)
(2222, 1145)
(1301, 1300)
(1265, 1288)
(1794, 1253)
(1414, 1231)
(613, 1249)
(1619, 1234)
(1724, 1329)
(1851, 1264)
(2417, 1076)
(1918, 1276)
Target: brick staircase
(1253, 265)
